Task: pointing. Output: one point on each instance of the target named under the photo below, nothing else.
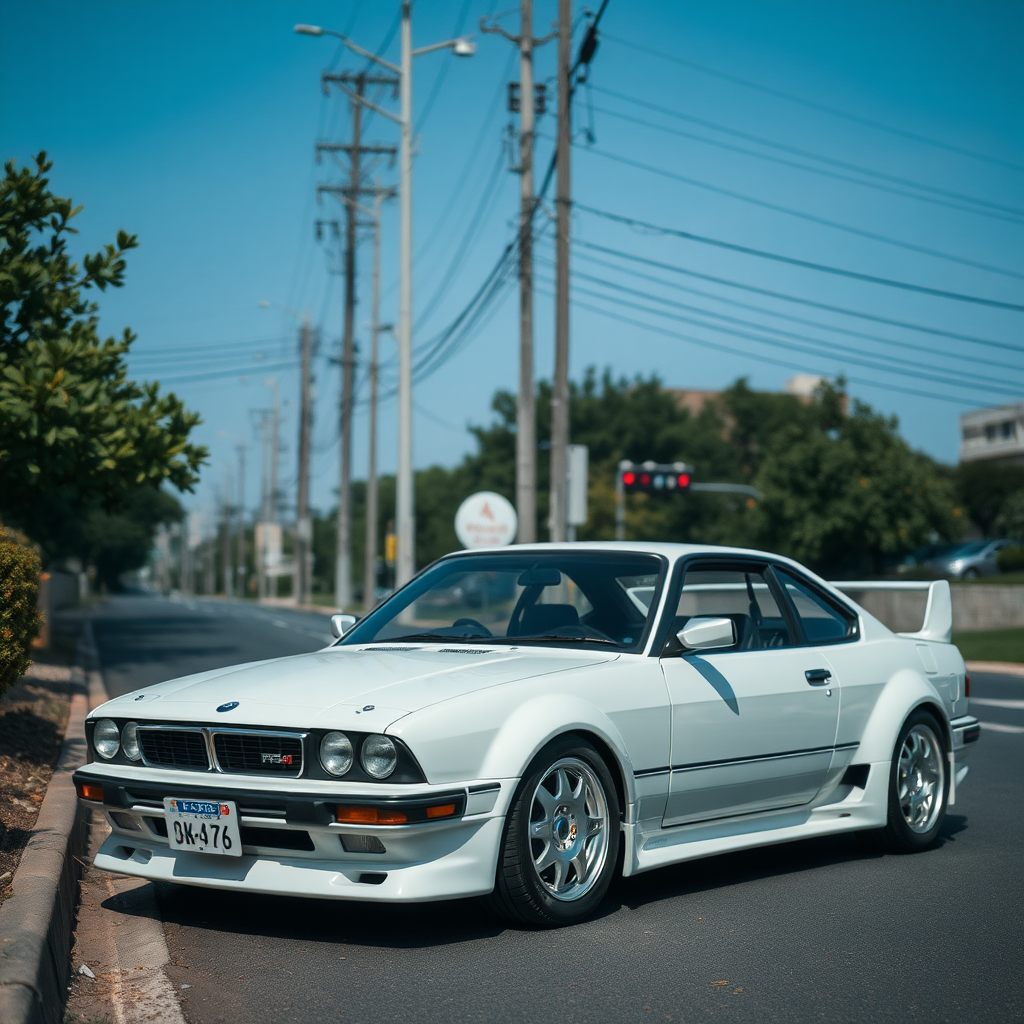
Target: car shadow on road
(729, 869)
(425, 925)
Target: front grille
(174, 748)
(254, 753)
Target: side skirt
(854, 810)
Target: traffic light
(655, 477)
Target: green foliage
(1011, 559)
(843, 491)
(846, 492)
(75, 432)
(1010, 521)
(116, 543)
(984, 488)
(19, 615)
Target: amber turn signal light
(441, 811)
(90, 791)
(369, 816)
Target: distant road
(816, 931)
(144, 639)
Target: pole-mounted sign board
(484, 520)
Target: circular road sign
(485, 519)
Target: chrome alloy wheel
(569, 829)
(921, 780)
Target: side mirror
(341, 624)
(707, 634)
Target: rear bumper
(292, 846)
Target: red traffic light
(629, 479)
(684, 479)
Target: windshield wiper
(555, 636)
(432, 637)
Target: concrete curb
(37, 921)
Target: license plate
(203, 826)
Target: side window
(742, 595)
(823, 622)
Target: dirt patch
(33, 717)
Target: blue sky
(193, 125)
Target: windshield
(557, 598)
(971, 548)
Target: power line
(1011, 215)
(917, 371)
(787, 364)
(247, 371)
(788, 297)
(968, 358)
(812, 218)
(701, 311)
(823, 268)
(177, 351)
(797, 151)
(793, 98)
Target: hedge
(19, 615)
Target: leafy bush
(1011, 559)
(19, 616)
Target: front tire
(918, 786)
(561, 840)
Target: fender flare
(905, 691)
(533, 725)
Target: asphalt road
(821, 930)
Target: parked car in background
(971, 560)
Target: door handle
(817, 676)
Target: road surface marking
(999, 727)
(998, 702)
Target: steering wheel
(472, 622)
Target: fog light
(362, 844)
(369, 816)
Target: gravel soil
(33, 717)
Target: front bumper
(291, 844)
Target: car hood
(341, 687)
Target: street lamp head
(309, 30)
(464, 47)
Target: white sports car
(526, 723)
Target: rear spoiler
(938, 613)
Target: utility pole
(303, 523)
(370, 562)
(526, 417)
(272, 495)
(227, 571)
(354, 86)
(560, 392)
(240, 556)
(343, 560)
(405, 482)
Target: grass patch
(991, 645)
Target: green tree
(845, 493)
(75, 433)
(984, 488)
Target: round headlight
(130, 741)
(336, 754)
(379, 756)
(107, 738)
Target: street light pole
(405, 513)
(404, 484)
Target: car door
(754, 724)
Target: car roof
(667, 550)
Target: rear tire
(561, 840)
(918, 787)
